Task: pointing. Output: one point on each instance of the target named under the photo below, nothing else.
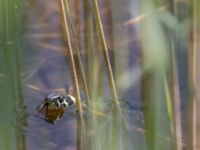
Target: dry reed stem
(177, 128)
(105, 53)
(79, 62)
(71, 57)
(193, 46)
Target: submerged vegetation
(133, 67)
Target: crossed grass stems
(172, 97)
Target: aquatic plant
(119, 54)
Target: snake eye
(60, 99)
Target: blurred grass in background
(11, 101)
(113, 48)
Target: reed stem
(71, 57)
(79, 62)
(11, 99)
(105, 53)
(193, 75)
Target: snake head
(44, 106)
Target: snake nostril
(63, 105)
(56, 104)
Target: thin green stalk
(177, 127)
(77, 17)
(110, 36)
(79, 62)
(192, 120)
(120, 50)
(168, 99)
(153, 94)
(11, 100)
(81, 133)
(70, 52)
(105, 53)
(87, 42)
(96, 89)
(193, 75)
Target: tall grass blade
(110, 37)
(168, 100)
(105, 52)
(119, 41)
(77, 50)
(193, 135)
(71, 56)
(12, 110)
(87, 28)
(153, 96)
(176, 104)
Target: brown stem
(105, 53)
(71, 57)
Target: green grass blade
(79, 61)
(105, 52)
(71, 57)
(11, 98)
